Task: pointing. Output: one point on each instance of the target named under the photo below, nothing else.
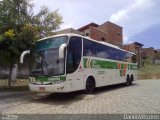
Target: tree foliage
(47, 21)
(20, 27)
(14, 14)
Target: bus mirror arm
(62, 50)
(23, 54)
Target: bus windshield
(46, 59)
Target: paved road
(142, 97)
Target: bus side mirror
(62, 50)
(23, 54)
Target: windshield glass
(51, 64)
(50, 43)
(45, 57)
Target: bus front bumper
(47, 88)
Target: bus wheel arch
(90, 85)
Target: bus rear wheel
(128, 80)
(132, 79)
(90, 85)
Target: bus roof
(101, 42)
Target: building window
(119, 34)
(103, 39)
(87, 34)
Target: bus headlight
(31, 79)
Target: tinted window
(95, 49)
(89, 48)
(51, 43)
(101, 51)
(74, 54)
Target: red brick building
(150, 53)
(108, 32)
(137, 49)
(69, 30)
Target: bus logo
(95, 65)
(88, 63)
(54, 78)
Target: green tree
(20, 28)
(46, 21)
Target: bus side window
(89, 48)
(107, 52)
(100, 51)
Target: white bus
(71, 62)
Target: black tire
(90, 85)
(131, 79)
(128, 80)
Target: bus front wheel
(90, 85)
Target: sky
(140, 19)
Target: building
(137, 49)
(157, 54)
(151, 54)
(69, 30)
(107, 32)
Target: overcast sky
(140, 19)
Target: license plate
(41, 88)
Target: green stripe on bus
(99, 64)
(92, 63)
